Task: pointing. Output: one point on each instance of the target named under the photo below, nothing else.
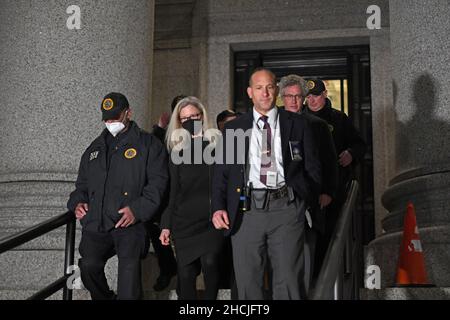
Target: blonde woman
(187, 217)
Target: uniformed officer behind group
(122, 177)
(350, 148)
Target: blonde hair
(175, 122)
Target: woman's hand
(164, 237)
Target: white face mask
(114, 127)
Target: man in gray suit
(282, 173)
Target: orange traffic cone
(411, 264)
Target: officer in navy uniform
(350, 149)
(293, 91)
(121, 180)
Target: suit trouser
(276, 233)
(130, 244)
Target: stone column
(421, 66)
(52, 80)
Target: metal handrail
(43, 228)
(339, 259)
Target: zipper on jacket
(104, 182)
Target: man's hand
(163, 120)
(81, 210)
(345, 158)
(220, 220)
(324, 200)
(127, 218)
(164, 237)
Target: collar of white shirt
(272, 115)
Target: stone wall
(52, 81)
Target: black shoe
(162, 282)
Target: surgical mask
(115, 127)
(193, 126)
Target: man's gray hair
(293, 80)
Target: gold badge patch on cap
(130, 153)
(310, 84)
(108, 104)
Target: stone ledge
(442, 293)
(223, 294)
(384, 252)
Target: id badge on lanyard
(271, 181)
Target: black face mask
(194, 127)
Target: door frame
(215, 83)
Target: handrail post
(69, 255)
(359, 252)
(348, 256)
(18, 239)
(337, 290)
(338, 260)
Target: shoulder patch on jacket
(93, 155)
(130, 153)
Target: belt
(274, 194)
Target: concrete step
(223, 294)
(442, 293)
(25, 272)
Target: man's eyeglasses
(191, 117)
(293, 96)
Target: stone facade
(420, 68)
(53, 78)
(52, 81)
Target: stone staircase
(30, 268)
(406, 294)
(223, 294)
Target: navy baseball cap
(315, 87)
(112, 106)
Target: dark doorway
(347, 70)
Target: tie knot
(264, 119)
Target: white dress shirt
(254, 154)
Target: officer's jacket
(136, 176)
(345, 137)
(327, 154)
